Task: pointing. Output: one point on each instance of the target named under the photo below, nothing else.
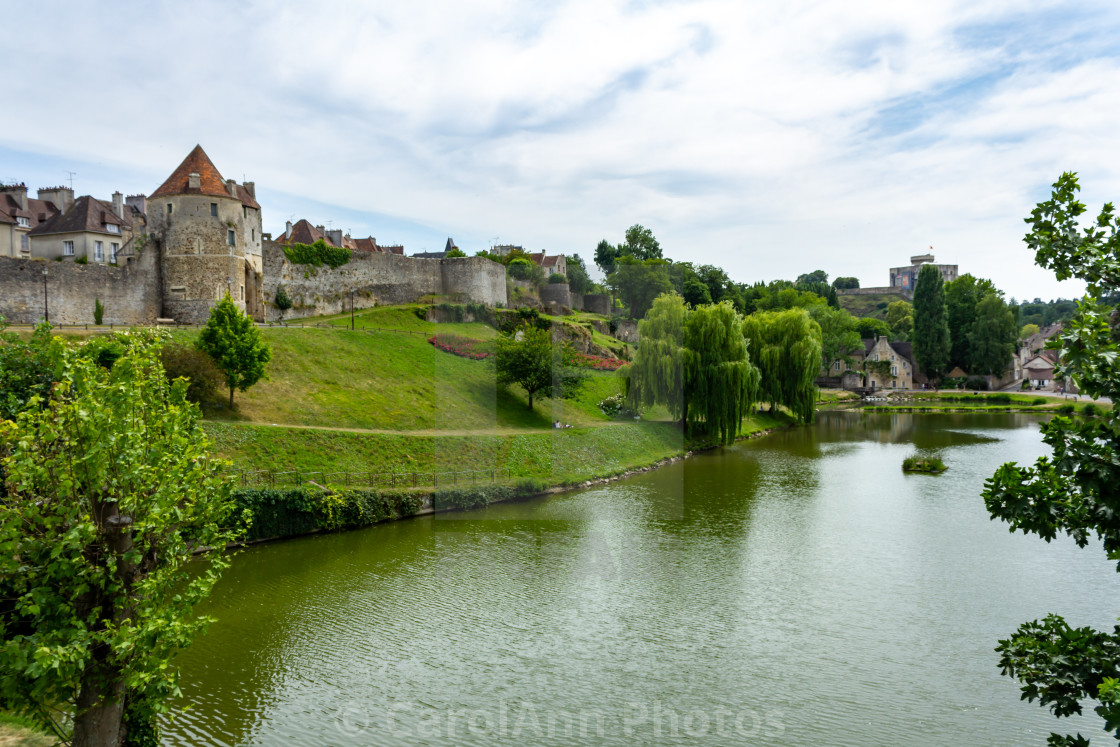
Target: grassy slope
(16, 731)
(868, 306)
(390, 380)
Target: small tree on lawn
(527, 357)
(234, 342)
(108, 490)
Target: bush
(283, 302)
(557, 279)
(1003, 398)
(317, 254)
(83, 260)
(923, 464)
(976, 382)
(181, 360)
(520, 268)
(1039, 401)
(464, 347)
(1026, 384)
(1066, 409)
(1091, 410)
(98, 311)
(615, 406)
(285, 512)
(104, 349)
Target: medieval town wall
(130, 293)
(377, 280)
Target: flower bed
(597, 362)
(464, 347)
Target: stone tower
(209, 234)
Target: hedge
(287, 512)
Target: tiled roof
(210, 180)
(551, 261)
(302, 233)
(87, 214)
(37, 210)
(904, 349)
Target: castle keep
(175, 253)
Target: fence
(272, 478)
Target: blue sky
(770, 139)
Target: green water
(799, 589)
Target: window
(24, 243)
(253, 234)
(894, 370)
(243, 293)
(68, 248)
(213, 209)
(23, 222)
(837, 365)
(112, 228)
(99, 251)
(113, 252)
(169, 206)
(231, 237)
(244, 211)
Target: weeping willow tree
(657, 374)
(721, 384)
(786, 346)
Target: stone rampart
(556, 293)
(877, 291)
(597, 303)
(130, 293)
(373, 279)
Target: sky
(770, 139)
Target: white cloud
(768, 138)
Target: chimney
(118, 204)
(288, 230)
(61, 197)
(194, 181)
(335, 236)
(138, 202)
(231, 185)
(18, 193)
(251, 188)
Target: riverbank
(19, 732)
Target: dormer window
(23, 222)
(112, 228)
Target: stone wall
(877, 291)
(378, 280)
(597, 303)
(130, 293)
(556, 293)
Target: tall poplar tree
(931, 328)
(992, 339)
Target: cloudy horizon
(769, 140)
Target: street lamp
(351, 310)
(46, 308)
(229, 287)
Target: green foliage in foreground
(1074, 491)
(109, 488)
(318, 254)
(923, 464)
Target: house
(90, 229)
(20, 214)
(556, 264)
(370, 246)
(1039, 370)
(907, 277)
(898, 370)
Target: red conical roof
(196, 162)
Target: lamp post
(351, 310)
(46, 308)
(229, 287)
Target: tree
(900, 317)
(639, 282)
(27, 368)
(839, 334)
(811, 278)
(606, 257)
(961, 297)
(931, 330)
(578, 279)
(235, 344)
(640, 243)
(845, 283)
(1028, 330)
(526, 356)
(786, 347)
(110, 490)
(658, 375)
(721, 383)
(1074, 491)
(872, 328)
(993, 336)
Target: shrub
(317, 254)
(1003, 398)
(520, 268)
(1039, 401)
(181, 360)
(83, 260)
(923, 464)
(976, 382)
(597, 362)
(1066, 409)
(1026, 384)
(98, 311)
(557, 279)
(283, 302)
(284, 512)
(614, 406)
(1090, 410)
(104, 349)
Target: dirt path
(422, 432)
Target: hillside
(872, 305)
